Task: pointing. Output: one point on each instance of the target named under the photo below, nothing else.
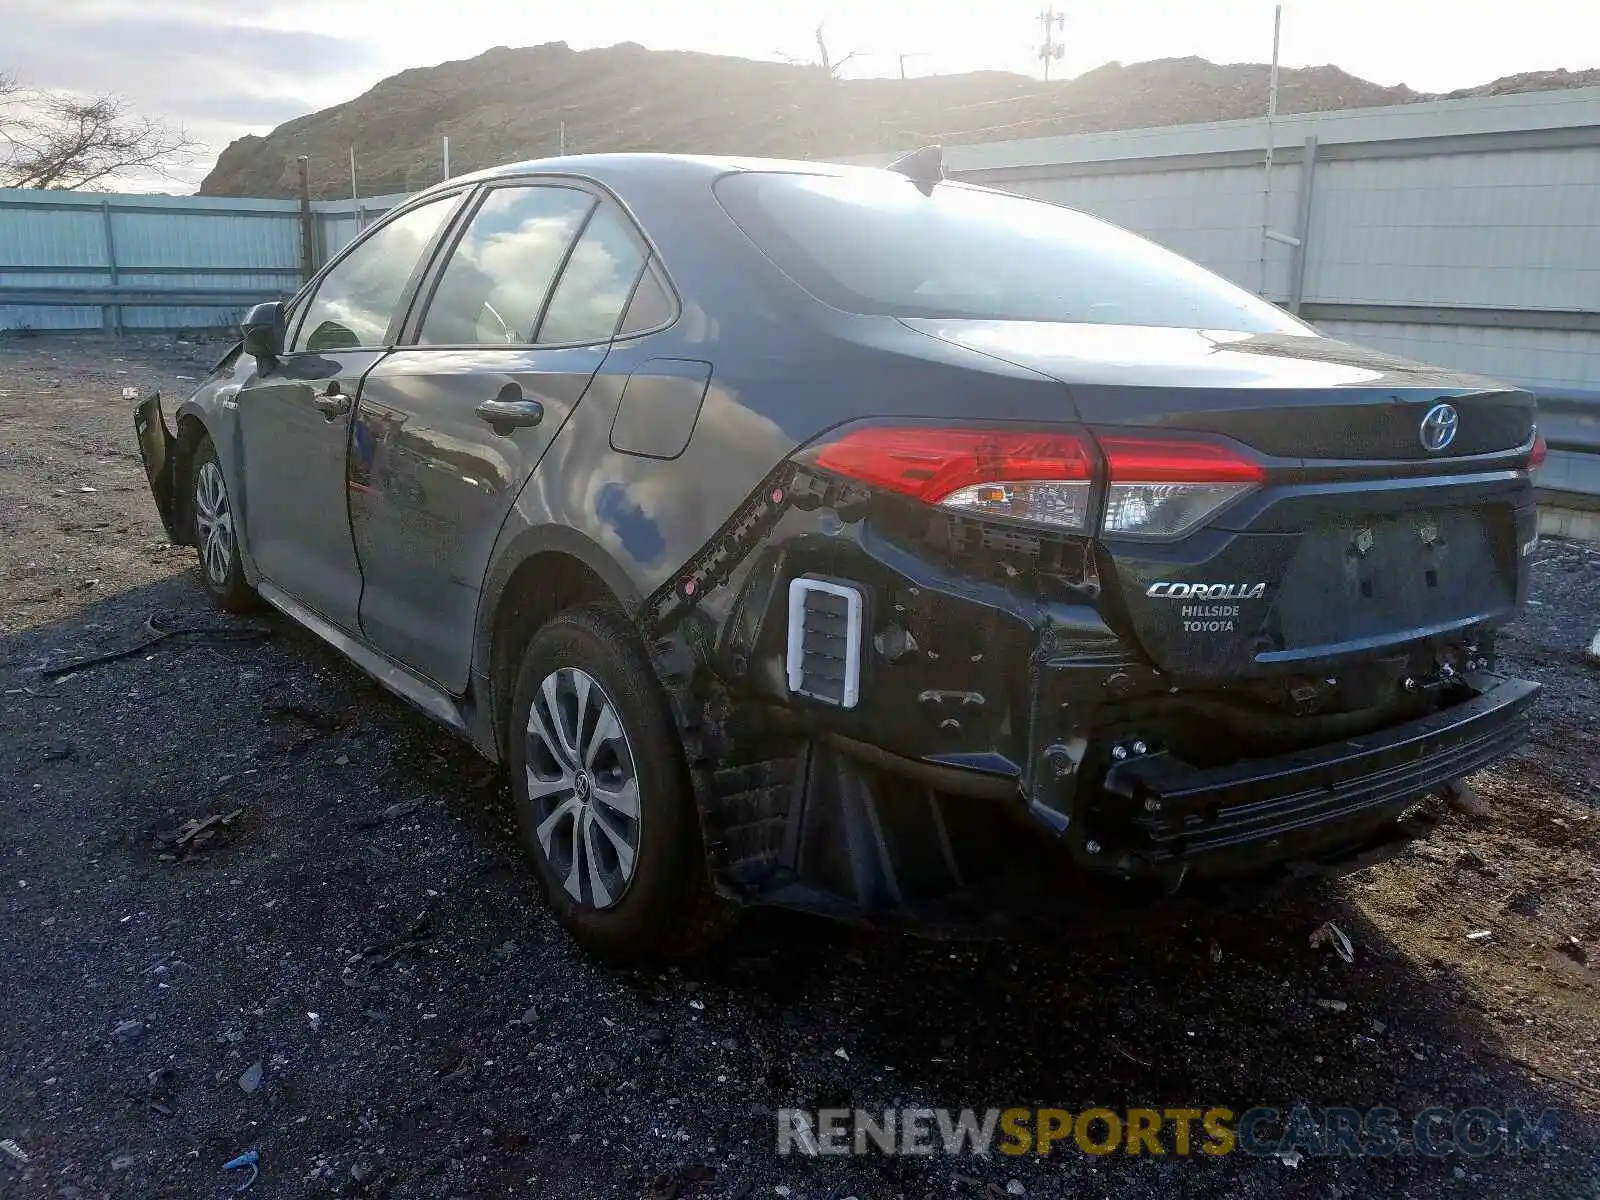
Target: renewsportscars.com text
(1305, 1131)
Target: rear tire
(602, 794)
(216, 534)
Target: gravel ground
(350, 973)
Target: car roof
(626, 169)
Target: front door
(294, 419)
(451, 426)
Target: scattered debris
(1593, 652)
(1574, 950)
(1117, 1046)
(194, 835)
(14, 1152)
(130, 393)
(1329, 934)
(250, 1160)
(251, 1079)
(123, 1161)
(805, 1136)
(669, 1185)
(1466, 801)
(394, 812)
(1480, 935)
(1015, 1188)
(1333, 1005)
(1290, 1158)
(839, 1053)
(207, 634)
(358, 970)
(1215, 951)
(127, 1031)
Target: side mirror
(263, 332)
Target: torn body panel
(158, 449)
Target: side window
(355, 301)
(651, 305)
(595, 285)
(494, 286)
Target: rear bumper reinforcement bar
(1313, 801)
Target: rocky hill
(507, 104)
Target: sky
(222, 69)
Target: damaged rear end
(1232, 621)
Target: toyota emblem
(1439, 427)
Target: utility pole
(1052, 50)
(308, 221)
(1272, 129)
(913, 54)
(355, 196)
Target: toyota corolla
(867, 542)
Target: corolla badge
(1439, 427)
(1166, 589)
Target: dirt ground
(349, 971)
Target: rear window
(874, 243)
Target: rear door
(294, 419)
(515, 322)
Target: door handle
(333, 402)
(505, 415)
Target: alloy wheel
(213, 520)
(584, 788)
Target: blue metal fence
(83, 261)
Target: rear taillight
(1540, 450)
(1156, 487)
(1163, 487)
(1043, 478)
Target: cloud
(180, 59)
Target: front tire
(602, 794)
(216, 534)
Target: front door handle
(333, 402)
(505, 415)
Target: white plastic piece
(798, 590)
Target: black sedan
(867, 542)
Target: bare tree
(828, 65)
(824, 62)
(73, 143)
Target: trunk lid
(1394, 511)
(1293, 397)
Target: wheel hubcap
(213, 523)
(583, 788)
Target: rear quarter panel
(784, 369)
